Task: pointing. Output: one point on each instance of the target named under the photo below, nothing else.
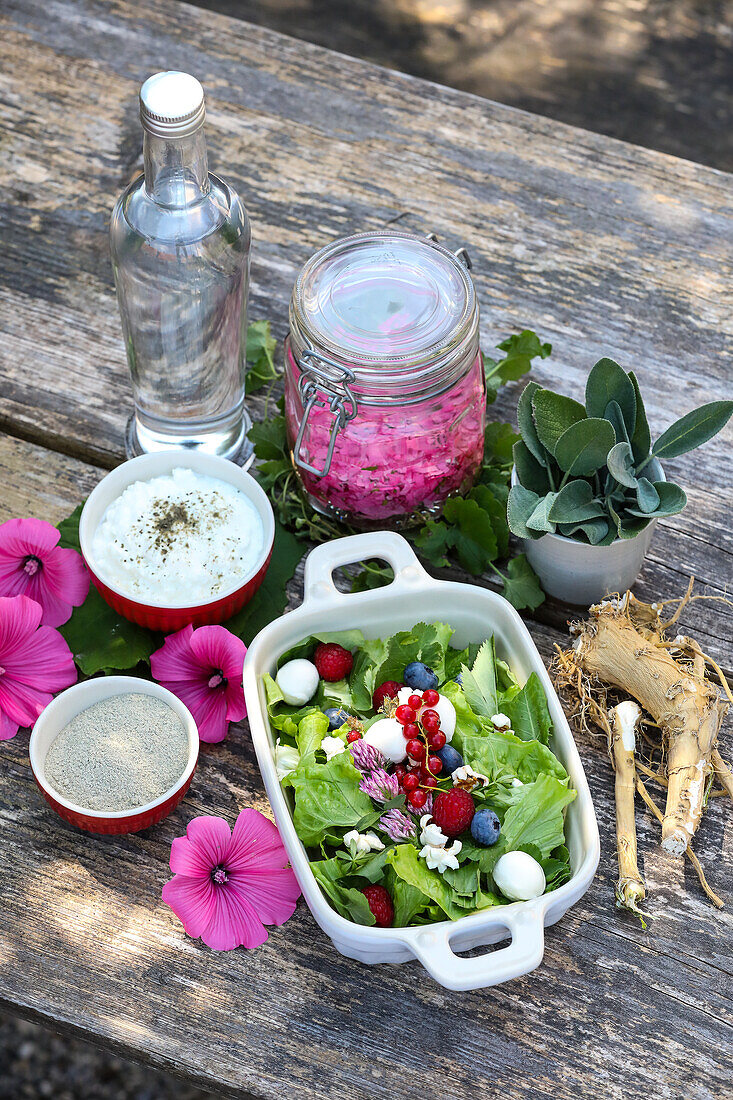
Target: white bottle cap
(172, 104)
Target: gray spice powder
(120, 753)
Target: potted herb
(588, 487)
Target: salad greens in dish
(423, 784)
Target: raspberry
(332, 661)
(380, 904)
(388, 690)
(453, 811)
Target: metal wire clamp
(324, 382)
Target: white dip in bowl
(179, 536)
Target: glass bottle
(180, 242)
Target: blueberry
(419, 676)
(459, 679)
(450, 758)
(336, 717)
(485, 827)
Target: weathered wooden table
(603, 248)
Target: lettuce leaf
(497, 753)
(346, 900)
(385, 659)
(311, 731)
(327, 797)
(479, 682)
(414, 871)
(528, 711)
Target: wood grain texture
(604, 249)
(87, 946)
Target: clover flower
(398, 826)
(380, 785)
(365, 756)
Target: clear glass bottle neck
(176, 169)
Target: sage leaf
(575, 503)
(582, 448)
(641, 440)
(616, 419)
(692, 430)
(553, 414)
(520, 506)
(540, 518)
(606, 382)
(620, 463)
(526, 423)
(595, 530)
(647, 496)
(672, 500)
(531, 473)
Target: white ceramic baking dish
(474, 613)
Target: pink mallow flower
(203, 667)
(35, 662)
(228, 885)
(33, 564)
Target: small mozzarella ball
(387, 736)
(519, 876)
(298, 681)
(444, 708)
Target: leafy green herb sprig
(472, 532)
(591, 472)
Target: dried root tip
(723, 772)
(629, 892)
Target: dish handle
(387, 545)
(432, 947)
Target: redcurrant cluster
(421, 727)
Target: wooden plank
(605, 248)
(86, 946)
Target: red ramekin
(66, 706)
(170, 617)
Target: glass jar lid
(397, 310)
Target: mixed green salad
(423, 784)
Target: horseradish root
(622, 743)
(625, 654)
(685, 705)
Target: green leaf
(595, 530)
(615, 418)
(520, 506)
(536, 816)
(606, 382)
(102, 641)
(540, 518)
(620, 463)
(499, 754)
(408, 900)
(69, 529)
(346, 900)
(553, 414)
(526, 424)
(479, 682)
(641, 440)
(647, 496)
(327, 796)
(672, 500)
(521, 349)
(411, 869)
(260, 356)
(373, 575)
(269, 438)
(311, 731)
(575, 503)
(693, 429)
(583, 447)
(529, 713)
(499, 438)
(473, 527)
(271, 598)
(521, 585)
(531, 473)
